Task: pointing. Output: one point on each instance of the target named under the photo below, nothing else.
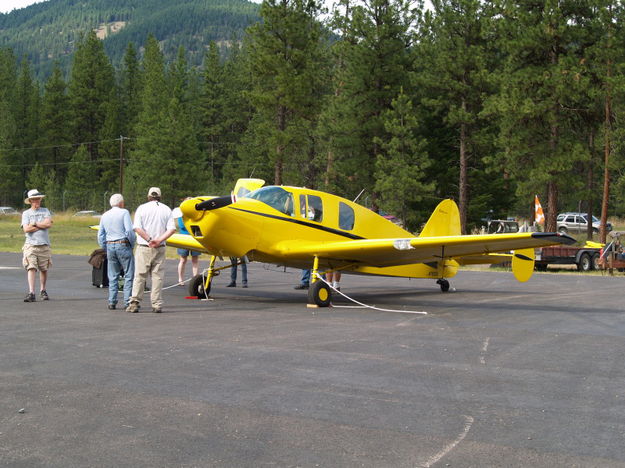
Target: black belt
(144, 245)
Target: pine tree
(604, 34)
(130, 90)
(167, 153)
(538, 102)
(145, 162)
(26, 116)
(376, 64)
(10, 166)
(10, 183)
(90, 88)
(78, 190)
(286, 55)
(401, 164)
(55, 134)
(453, 58)
(212, 113)
(37, 177)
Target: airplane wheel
(444, 284)
(319, 293)
(196, 287)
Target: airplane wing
(185, 241)
(391, 252)
(180, 241)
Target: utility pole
(121, 164)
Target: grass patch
(69, 235)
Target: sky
(9, 5)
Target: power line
(69, 145)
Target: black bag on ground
(99, 274)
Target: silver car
(7, 210)
(578, 222)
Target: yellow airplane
(304, 228)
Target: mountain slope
(47, 32)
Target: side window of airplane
(346, 216)
(276, 197)
(315, 208)
(311, 207)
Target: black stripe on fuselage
(302, 223)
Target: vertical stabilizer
(444, 221)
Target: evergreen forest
(488, 102)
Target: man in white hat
(37, 256)
(116, 235)
(153, 224)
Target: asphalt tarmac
(498, 373)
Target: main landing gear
(319, 294)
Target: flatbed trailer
(585, 258)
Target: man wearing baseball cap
(37, 256)
(153, 224)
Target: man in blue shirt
(117, 237)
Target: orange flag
(539, 216)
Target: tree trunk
(279, 163)
(606, 157)
(463, 185)
(590, 185)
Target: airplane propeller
(215, 203)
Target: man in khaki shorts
(35, 222)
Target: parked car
(91, 213)
(7, 210)
(578, 222)
(393, 219)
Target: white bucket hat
(34, 193)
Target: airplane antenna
(358, 196)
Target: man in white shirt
(116, 235)
(154, 225)
(35, 223)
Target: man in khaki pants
(153, 225)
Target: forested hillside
(49, 31)
(487, 102)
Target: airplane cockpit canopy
(276, 197)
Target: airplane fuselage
(265, 223)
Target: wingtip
(556, 237)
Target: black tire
(595, 261)
(563, 230)
(320, 294)
(196, 287)
(540, 267)
(585, 263)
(444, 284)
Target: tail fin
(444, 221)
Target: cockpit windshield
(275, 197)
